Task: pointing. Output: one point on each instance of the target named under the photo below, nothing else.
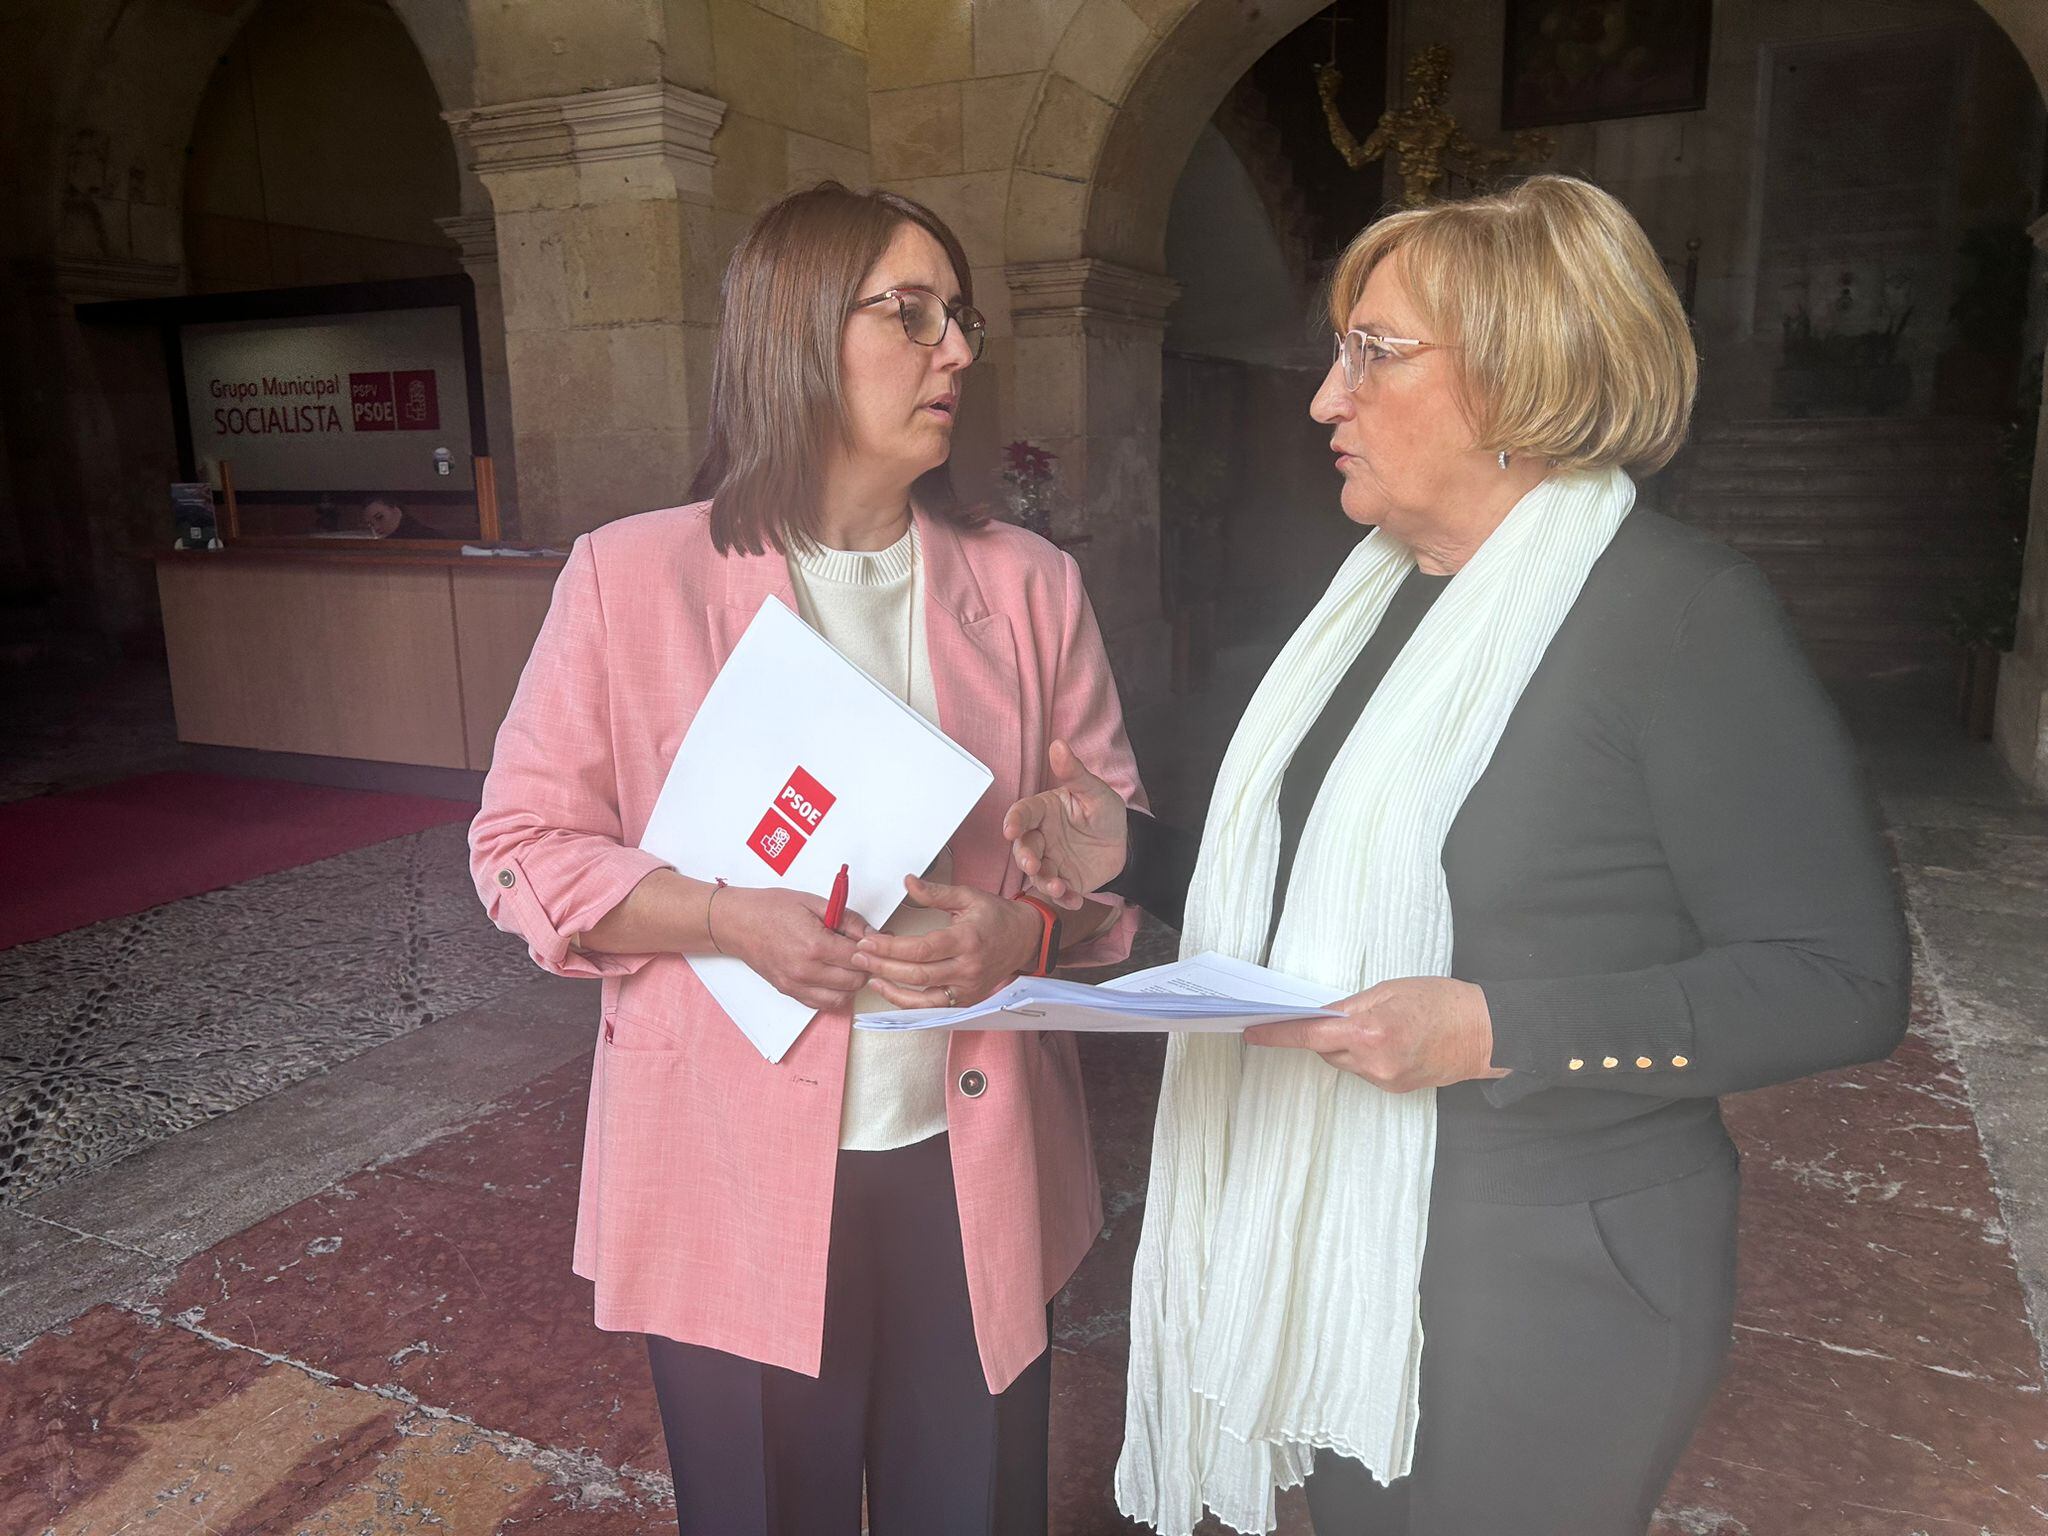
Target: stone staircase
(1867, 527)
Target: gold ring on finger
(952, 998)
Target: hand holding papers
(1207, 993)
(798, 762)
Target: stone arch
(101, 216)
(126, 115)
(1123, 160)
(2026, 23)
(1111, 126)
(127, 107)
(1111, 123)
(2022, 724)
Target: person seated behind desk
(386, 519)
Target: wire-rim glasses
(926, 316)
(1357, 351)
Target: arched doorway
(1689, 176)
(318, 155)
(94, 207)
(1249, 528)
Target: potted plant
(1981, 620)
(1975, 373)
(1029, 485)
(1983, 617)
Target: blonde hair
(1572, 344)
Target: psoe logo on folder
(799, 808)
(776, 841)
(804, 801)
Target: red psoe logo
(800, 805)
(776, 841)
(370, 402)
(805, 801)
(417, 401)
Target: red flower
(1027, 460)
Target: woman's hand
(1070, 839)
(986, 942)
(1418, 1032)
(783, 937)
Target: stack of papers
(1207, 993)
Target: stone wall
(1702, 174)
(624, 152)
(609, 153)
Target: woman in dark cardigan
(1665, 885)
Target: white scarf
(1273, 1305)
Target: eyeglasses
(1357, 351)
(926, 316)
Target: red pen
(835, 905)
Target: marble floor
(346, 1305)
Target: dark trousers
(761, 1451)
(1568, 1352)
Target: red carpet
(121, 848)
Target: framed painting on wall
(1577, 61)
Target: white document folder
(798, 762)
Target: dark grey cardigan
(1668, 881)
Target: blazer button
(507, 879)
(973, 1083)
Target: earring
(1503, 458)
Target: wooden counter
(390, 655)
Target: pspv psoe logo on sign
(403, 400)
(798, 810)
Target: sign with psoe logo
(788, 824)
(347, 403)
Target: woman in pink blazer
(842, 1262)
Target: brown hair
(1573, 344)
(777, 407)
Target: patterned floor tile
(117, 1035)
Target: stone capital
(88, 279)
(475, 235)
(635, 130)
(1086, 288)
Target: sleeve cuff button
(1609, 1061)
(1681, 1061)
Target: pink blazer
(706, 1197)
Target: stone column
(607, 255)
(2022, 729)
(476, 236)
(1087, 386)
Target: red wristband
(1049, 936)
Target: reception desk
(393, 656)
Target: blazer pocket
(646, 1153)
(634, 1034)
